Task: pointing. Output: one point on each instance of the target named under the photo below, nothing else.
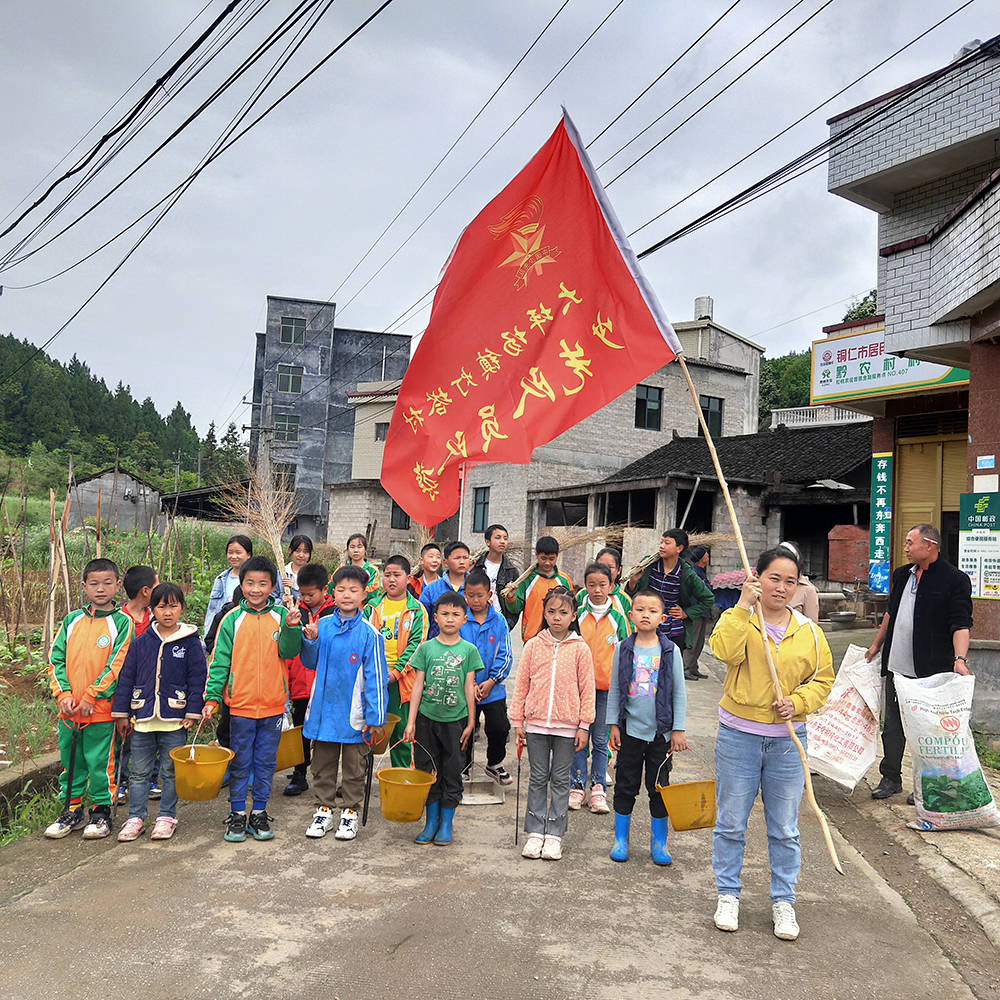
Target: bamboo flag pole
(779, 694)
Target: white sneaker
(577, 796)
(727, 913)
(786, 926)
(533, 847)
(599, 801)
(552, 849)
(348, 828)
(322, 822)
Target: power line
(182, 188)
(130, 117)
(718, 94)
(801, 119)
(128, 90)
(628, 107)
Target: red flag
(541, 317)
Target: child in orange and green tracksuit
(602, 628)
(248, 672)
(84, 663)
(357, 555)
(400, 618)
(527, 599)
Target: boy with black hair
(500, 570)
(160, 690)
(429, 565)
(456, 566)
(443, 713)
(138, 583)
(248, 672)
(84, 662)
(314, 603)
(348, 701)
(685, 596)
(526, 599)
(402, 622)
(487, 630)
(646, 708)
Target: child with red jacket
(314, 603)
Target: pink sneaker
(133, 829)
(598, 800)
(163, 828)
(576, 797)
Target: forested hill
(49, 411)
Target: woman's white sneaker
(552, 849)
(727, 913)
(786, 926)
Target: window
(480, 508)
(284, 475)
(290, 378)
(286, 428)
(648, 400)
(400, 519)
(381, 430)
(711, 408)
(293, 331)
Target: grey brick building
(305, 366)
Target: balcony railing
(815, 416)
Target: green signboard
(979, 542)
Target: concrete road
(383, 919)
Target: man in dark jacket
(501, 571)
(925, 631)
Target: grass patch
(988, 756)
(32, 811)
(26, 727)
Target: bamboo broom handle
(779, 694)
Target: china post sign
(979, 542)
(881, 523)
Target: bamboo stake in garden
(97, 541)
(779, 694)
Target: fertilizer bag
(843, 734)
(949, 789)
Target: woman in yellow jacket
(753, 750)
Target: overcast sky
(292, 207)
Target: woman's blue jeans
(599, 748)
(744, 765)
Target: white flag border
(624, 247)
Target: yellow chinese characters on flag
(542, 317)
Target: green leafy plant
(31, 811)
(948, 795)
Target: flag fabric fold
(541, 318)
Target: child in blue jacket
(488, 631)
(160, 688)
(348, 699)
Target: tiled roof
(796, 456)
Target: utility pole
(177, 470)
(199, 465)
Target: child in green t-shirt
(442, 713)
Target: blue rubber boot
(443, 836)
(620, 851)
(658, 841)
(433, 821)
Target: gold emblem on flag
(522, 224)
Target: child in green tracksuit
(84, 663)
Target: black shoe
(887, 788)
(909, 799)
(260, 826)
(694, 677)
(236, 828)
(297, 784)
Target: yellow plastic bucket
(402, 792)
(200, 779)
(382, 743)
(690, 804)
(290, 750)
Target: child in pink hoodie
(552, 711)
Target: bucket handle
(656, 783)
(415, 743)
